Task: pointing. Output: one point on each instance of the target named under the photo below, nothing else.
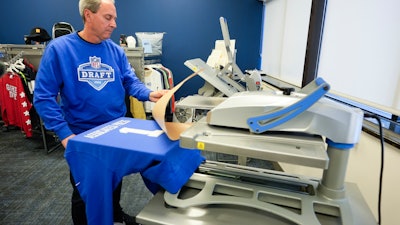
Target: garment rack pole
(15, 58)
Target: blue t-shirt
(92, 81)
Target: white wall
(363, 169)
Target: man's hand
(65, 140)
(156, 95)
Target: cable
(368, 115)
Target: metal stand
(260, 197)
(332, 183)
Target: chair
(62, 28)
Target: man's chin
(107, 35)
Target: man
(91, 74)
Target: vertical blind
(284, 39)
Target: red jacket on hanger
(14, 103)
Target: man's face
(102, 23)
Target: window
(352, 45)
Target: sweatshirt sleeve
(45, 97)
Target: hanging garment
(168, 83)
(15, 105)
(137, 108)
(154, 81)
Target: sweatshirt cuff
(146, 96)
(64, 132)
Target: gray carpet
(35, 187)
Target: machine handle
(260, 124)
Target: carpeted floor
(35, 187)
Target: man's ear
(87, 14)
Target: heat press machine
(302, 128)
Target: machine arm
(260, 124)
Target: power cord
(368, 115)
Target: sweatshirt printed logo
(12, 90)
(95, 73)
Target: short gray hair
(92, 5)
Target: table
(99, 158)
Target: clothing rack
(15, 58)
(33, 54)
